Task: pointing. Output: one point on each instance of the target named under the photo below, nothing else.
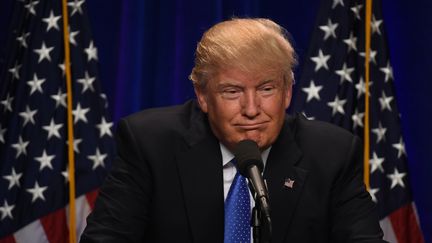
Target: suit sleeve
(354, 214)
(121, 212)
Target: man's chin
(254, 136)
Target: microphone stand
(261, 228)
(256, 224)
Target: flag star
(20, 146)
(37, 192)
(44, 52)
(379, 132)
(45, 160)
(7, 103)
(375, 25)
(356, 10)
(376, 163)
(104, 127)
(396, 178)
(53, 129)
(31, 6)
(385, 102)
(13, 179)
(388, 71)
(337, 106)
(35, 84)
(320, 60)
(65, 174)
(329, 29)
(357, 119)
(72, 35)
(361, 87)
(76, 6)
(52, 21)
(87, 82)
(312, 91)
(22, 39)
(28, 115)
(372, 192)
(6, 210)
(351, 42)
(345, 73)
(400, 147)
(62, 67)
(308, 117)
(97, 158)
(15, 71)
(91, 52)
(372, 56)
(337, 2)
(2, 133)
(104, 97)
(80, 114)
(60, 98)
(76, 142)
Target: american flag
(33, 127)
(332, 89)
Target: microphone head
(247, 154)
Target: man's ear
(202, 98)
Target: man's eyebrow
(267, 81)
(229, 83)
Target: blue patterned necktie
(237, 212)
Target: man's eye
(267, 90)
(230, 93)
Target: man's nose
(251, 106)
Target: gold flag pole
(70, 128)
(366, 175)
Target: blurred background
(146, 51)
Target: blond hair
(250, 45)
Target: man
(174, 170)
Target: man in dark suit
(174, 169)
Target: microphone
(250, 165)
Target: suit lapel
(279, 173)
(201, 176)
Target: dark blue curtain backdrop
(146, 53)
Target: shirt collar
(227, 155)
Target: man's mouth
(251, 126)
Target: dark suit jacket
(167, 185)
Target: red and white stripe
(54, 227)
(402, 226)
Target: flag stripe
(400, 219)
(8, 239)
(387, 228)
(91, 197)
(33, 232)
(55, 226)
(82, 211)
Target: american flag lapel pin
(289, 183)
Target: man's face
(242, 106)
